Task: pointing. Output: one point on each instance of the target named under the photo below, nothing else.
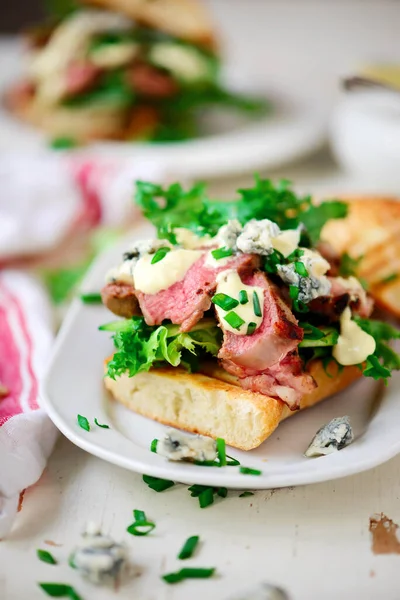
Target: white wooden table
(313, 541)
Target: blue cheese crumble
(258, 237)
(98, 558)
(177, 445)
(332, 437)
(315, 284)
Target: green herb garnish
(272, 261)
(224, 301)
(243, 297)
(60, 590)
(103, 426)
(249, 471)
(300, 269)
(294, 292)
(206, 497)
(348, 265)
(221, 450)
(189, 547)
(380, 364)
(189, 573)
(251, 328)
(221, 253)
(314, 336)
(246, 494)
(83, 422)
(160, 254)
(389, 278)
(256, 305)
(157, 484)
(141, 526)
(153, 445)
(234, 320)
(91, 298)
(46, 557)
(222, 492)
(63, 143)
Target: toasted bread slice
(212, 403)
(185, 19)
(371, 233)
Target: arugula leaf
(384, 360)
(168, 208)
(315, 337)
(139, 346)
(348, 265)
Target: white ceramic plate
(232, 143)
(73, 385)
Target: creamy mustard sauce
(354, 345)
(315, 264)
(229, 283)
(286, 242)
(151, 279)
(189, 240)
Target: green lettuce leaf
(384, 360)
(172, 207)
(140, 347)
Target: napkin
(46, 201)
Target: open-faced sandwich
(122, 70)
(237, 315)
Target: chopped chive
(189, 547)
(156, 484)
(139, 515)
(91, 298)
(390, 278)
(222, 492)
(224, 301)
(249, 471)
(272, 261)
(221, 450)
(256, 305)
(234, 320)
(141, 526)
(46, 557)
(195, 490)
(60, 590)
(233, 462)
(300, 269)
(206, 497)
(251, 327)
(300, 306)
(221, 253)
(71, 562)
(245, 494)
(160, 254)
(298, 253)
(63, 143)
(189, 573)
(294, 292)
(153, 445)
(104, 426)
(243, 297)
(83, 422)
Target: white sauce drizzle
(151, 279)
(189, 240)
(354, 345)
(229, 283)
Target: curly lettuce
(173, 206)
(140, 347)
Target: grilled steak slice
(152, 82)
(278, 334)
(121, 299)
(185, 302)
(344, 292)
(285, 380)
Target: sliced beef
(121, 299)
(344, 292)
(80, 77)
(278, 334)
(185, 302)
(285, 380)
(152, 82)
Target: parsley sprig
(384, 360)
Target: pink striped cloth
(43, 201)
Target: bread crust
(371, 233)
(185, 19)
(211, 403)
